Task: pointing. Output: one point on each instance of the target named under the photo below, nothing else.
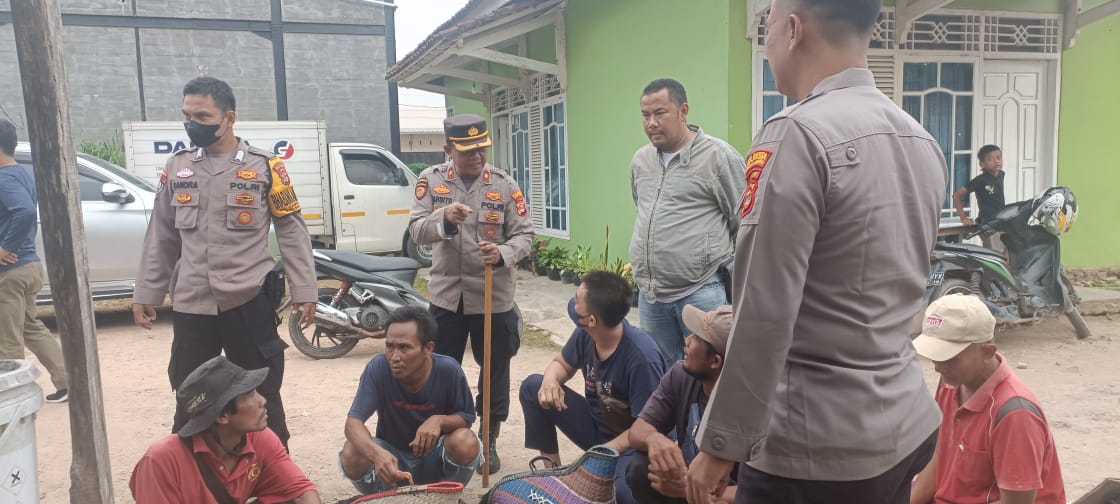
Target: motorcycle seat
(966, 248)
(369, 263)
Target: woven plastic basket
(589, 480)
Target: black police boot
(492, 450)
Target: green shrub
(111, 150)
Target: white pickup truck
(355, 196)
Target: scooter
(372, 287)
(1026, 286)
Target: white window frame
(977, 109)
(536, 195)
(567, 208)
(507, 149)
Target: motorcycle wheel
(948, 286)
(954, 286)
(1074, 315)
(322, 344)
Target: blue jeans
(433, 467)
(575, 422)
(664, 323)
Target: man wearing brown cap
(225, 452)
(994, 444)
(476, 216)
(658, 472)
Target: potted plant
(628, 274)
(557, 256)
(581, 263)
(567, 265)
(539, 256)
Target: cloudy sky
(416, 19)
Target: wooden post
(38, 33)
(486, 327)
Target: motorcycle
(372, 287)
(1026, 286)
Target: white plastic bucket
(20, 399)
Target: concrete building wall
(336, 77)
(173, 57)
(99, 98)
(344, 85)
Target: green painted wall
(614, 49)
(1086, 143)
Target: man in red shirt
(225, 453)
(994, 444)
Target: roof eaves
(450, 31)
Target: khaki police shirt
(821, 381)
(212, 216)
(501, 216)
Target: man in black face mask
(212, 213)
(657, 474)
(621, 367)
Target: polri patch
(162, 180)
(421, 188)
(490, 232)
(519, 203)
(183, 197)
(244, 217)
(756, 162)
(282, 172)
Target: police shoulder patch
(280, 170)
(756, 163)
(282, 199)
(421, 188)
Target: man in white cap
(225, 453)
(657, 473)
(994, 444)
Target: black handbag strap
(217, 489)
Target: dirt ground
(1075, 381)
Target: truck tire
(421, 253)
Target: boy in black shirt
(988, 186)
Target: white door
(1018, 110)
(373, 195)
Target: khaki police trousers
(20, 324)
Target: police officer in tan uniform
(475, 214)
(822, 394)
(212, 212)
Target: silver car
(116, 206)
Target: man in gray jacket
(686, 186)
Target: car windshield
(118, 171)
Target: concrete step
(1098, 301)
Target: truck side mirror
(115, 193)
